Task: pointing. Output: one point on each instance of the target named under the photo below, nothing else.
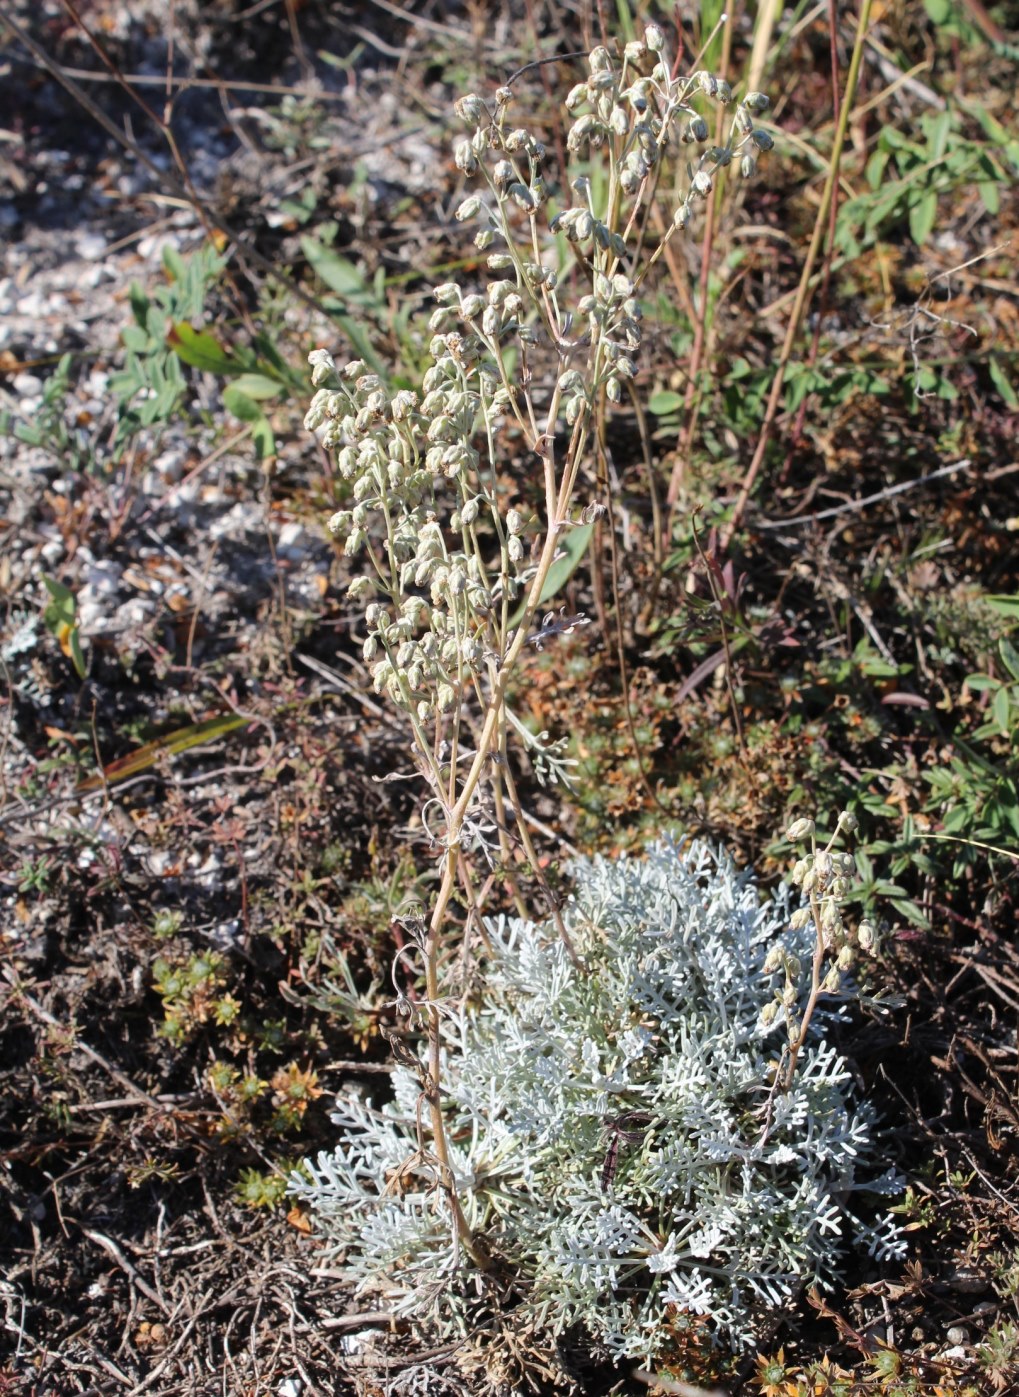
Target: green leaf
(661, 404)
(1000, 709)
(876, 168)
(1003, 604)
(135, 338)
(74, 649)
(939, 129)
(922, 215)
(247, 410)
(956, 820)
(908, 909)
(940, 11)
(1004, 141)
(61, 608)
(1009, 656)
(339, 274)
(139, 303)
(980, 683)
(264, 438)
(989, 196)
(1001, 381)
(176, 267)
(236, 401)
(201, 350)
(258, 386)
(60, 618)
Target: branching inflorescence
(599, 1135)
(455, 570)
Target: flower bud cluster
(825, 877)
(441, 553)
(644, 113)
(427, 591)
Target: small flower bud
(468, 208)
(470, 108)
(322, 366)
(515, 522)
(747, 166)
(831, 918)
(629, 180)
(515, 549)
(763, 140)
(576, 95)
(773, 960)
(867, 937)
(654, 37)
(757, 101)
(464, 157)
(360, 588)
(800, 829)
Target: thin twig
(110, 1247)
(854, 506)
(806, 280)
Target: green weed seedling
(48, 428)
(150, 387)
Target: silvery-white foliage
(722, 1199)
